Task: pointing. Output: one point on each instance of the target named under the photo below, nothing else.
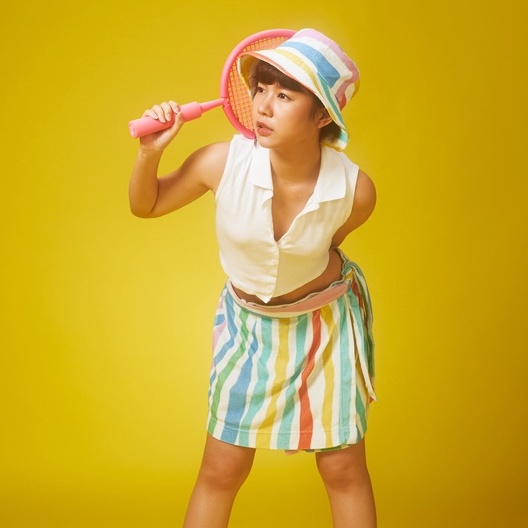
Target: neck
(296, 165)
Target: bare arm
(364, 203)
(151, 196)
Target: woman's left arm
(364, 203)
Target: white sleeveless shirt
(249, 254)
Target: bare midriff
(331, 274)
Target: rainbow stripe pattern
(319, 64)
(293, 380)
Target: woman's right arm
(151, 196)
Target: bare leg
(224, 469)
(347, 482)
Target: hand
(164, 112)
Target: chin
(264, 142)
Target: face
(284, 117)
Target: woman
(293, 351)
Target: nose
(264, 106)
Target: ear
(322, 118)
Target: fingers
(163, 112)
(166, 112)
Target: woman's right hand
(164, 112)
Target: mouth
(262, 129)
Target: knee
(341, 472)
(224, 474)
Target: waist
(310, 303)
(326, 281)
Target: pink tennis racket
(234, 97)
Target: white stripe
(330, 55)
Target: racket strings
(238, 93)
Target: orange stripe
(306, 418)
(329, 373)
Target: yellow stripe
(299, 60)
(280, 366)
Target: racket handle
(146, 125)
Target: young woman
(293, 361)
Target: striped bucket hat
(317, 63)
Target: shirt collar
(331, 183)
(260, 168)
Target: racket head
(238, 104)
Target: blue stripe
(257, 401)
(364, 319)
(361, 412)
(324, 68)
(346, 368)
(239, 391)
(223, 376)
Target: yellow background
(105, 318)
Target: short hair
(267, 74)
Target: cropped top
(249, 254)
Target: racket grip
(146, 125)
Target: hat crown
(328, 61)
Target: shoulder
(207, 163)
(365, 193)
(363, 205)
(210, 155)
(362, 187)
(364, 201)
(213, 158)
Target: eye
(257, 90)
(283, 96)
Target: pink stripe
(308, 304)
(340, 94)
(306, 417)
(345, 59)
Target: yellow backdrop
(105, 322)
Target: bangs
(267, 74)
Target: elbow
(139, 207)
(138, 212)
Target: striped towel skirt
(297, 376)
